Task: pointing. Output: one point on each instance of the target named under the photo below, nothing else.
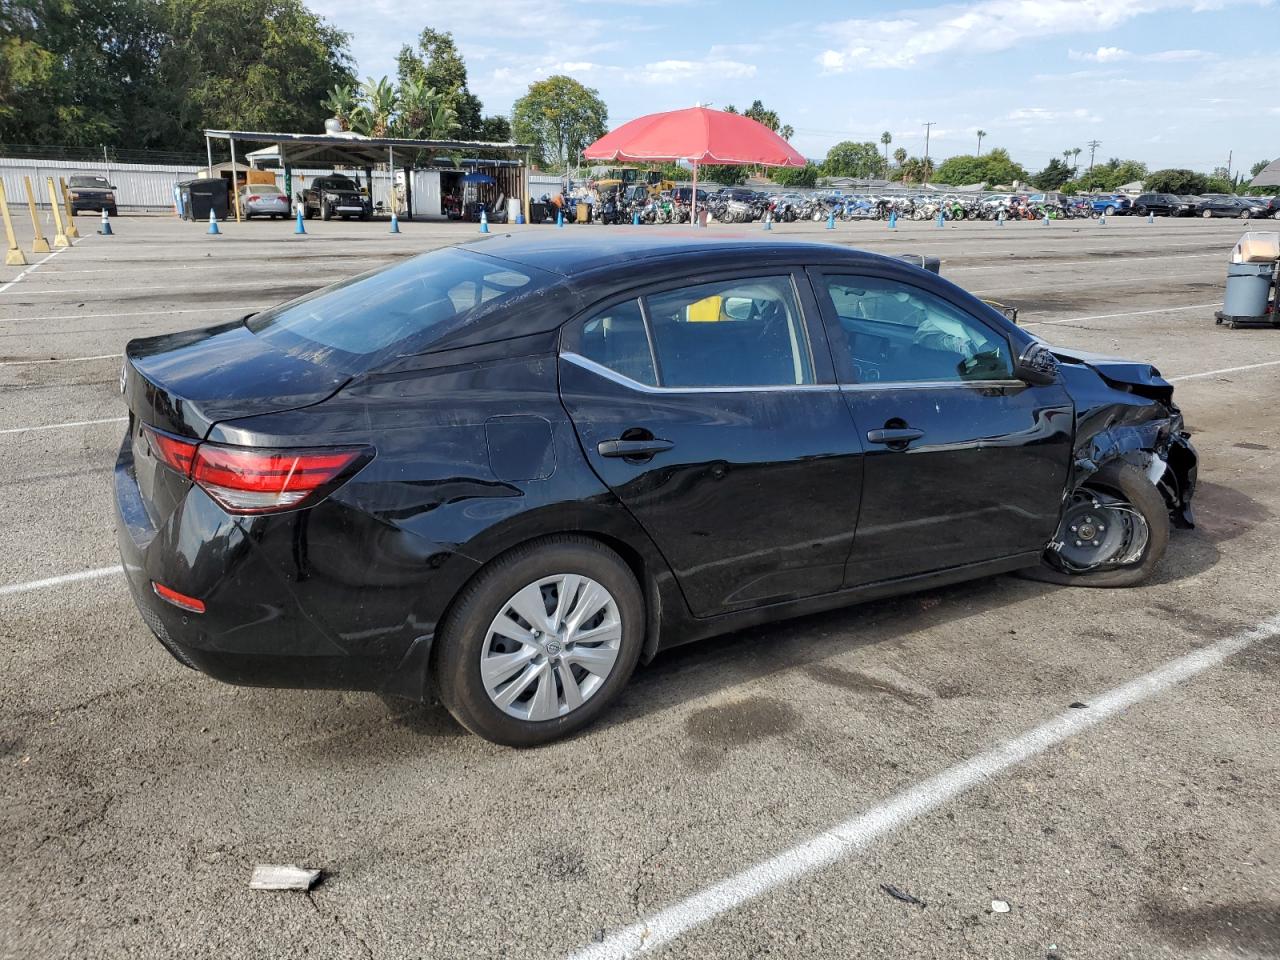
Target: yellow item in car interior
(706, 310)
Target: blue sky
(1169, 82)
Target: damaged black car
(507, 472)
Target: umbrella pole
(693, 197)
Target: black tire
(1126, 482)
(462, 636)
(325, 212)
(1245, 215)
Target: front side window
(897, 333)
(731, 333)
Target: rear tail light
(254, 198)
(253, 480)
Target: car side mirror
(1036, 365)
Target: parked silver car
(263, 200)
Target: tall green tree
(424, 113)
(1054, 175)
(1258, 167)
(886, 138)
(1179, 181)
(247, 64)
(559, 117)
(806, 176)
(850, 159)
(437, 64)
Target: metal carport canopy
(348, 149)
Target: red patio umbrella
(697, 135)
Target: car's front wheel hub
(1099, 530)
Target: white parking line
(27, 363)
(859, 832)
(1214, 373)
(152, 286)
(1119, 259)
(1132, 313)
(59, 426)
(126, 313)
(38, 263)
(1023, 282)
(58, 581)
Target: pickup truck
(335, 196)
(90, 192)
(1109, 205)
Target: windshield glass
(89, 182)
(395, 311)
(339, 183)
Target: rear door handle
(633, 448)
(892, 435)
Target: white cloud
(1101, 55)
(981, 26)
(685, 71)
(1043, 115)
(1179, 56)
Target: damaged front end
(1125, 411)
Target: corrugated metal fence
(139, 186)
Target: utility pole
(1093, 148)
(1230, 156)
(927, 127)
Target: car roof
(574, 255)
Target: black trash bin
(198, 197)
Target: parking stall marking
(1059, 262)
(58, 581)
(859, 832)
(59, 426)
(1025, 281)
(1132, 313)
(1214, 373)
(126, 313)
(39, 263)
(27, 363)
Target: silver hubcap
(551, 647)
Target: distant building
(1269, 177)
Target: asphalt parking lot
(138, 795)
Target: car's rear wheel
(541, 642)
(1114, 531)
(1244, 214)
(1206, 214)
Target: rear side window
(734, 333)
(396, 311)
(616, 338)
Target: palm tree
(900, 157)
(981, 134)
(886, 138)
(377, 108)
(1075, 163)
(787, 131)
(424, 113)
(341, 103)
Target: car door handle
(895, 435)
(633, 448)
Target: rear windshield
(396, 311)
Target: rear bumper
(255, 631)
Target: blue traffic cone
(395, 222)
(560, 219)
(1102, 220)
(105, 229)
(1151, 217)
(942, 221)
(484, 221)
(893, 219)
(1046, 219)
(768, 221)
(298, 226)
(213, 224)
(635, 219)
(1000, 219)
(831, 220)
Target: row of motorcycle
(613, 209)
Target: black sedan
(510, 471)
(1225, 207)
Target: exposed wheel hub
(1099, 530)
